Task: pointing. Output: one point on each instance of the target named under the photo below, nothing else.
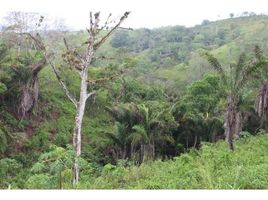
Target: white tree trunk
(82, 67)
(78, 123)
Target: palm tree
(125, 116)
(137, 131)
(120, 140)
(234, 81)
(261, 105)
(148, 132)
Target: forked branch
(104, 38)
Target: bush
(9, 168)
(39, 181)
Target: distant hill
(173, 53)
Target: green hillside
(161, 50)
(158, 118)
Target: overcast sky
(144, 13)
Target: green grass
(213, 167)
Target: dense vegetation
(212, 167)
(164, 99)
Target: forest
(112, 107)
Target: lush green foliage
(165, 102)
(213, 167)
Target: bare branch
(66, 44)
(103, 39)
(72, 57)
(124, 28)
(90, 31)
(93, 93)
(103, 57)
(64, 87)
(38, 66)
(41, 46)
(74, 61)
(38, 42)
(97, 20)
(105, 24)
(107, 20)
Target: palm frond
(249, 71)
(124, 112)
(154, 124)
(166, 138)
(135, 139)
(144, 111)
(113, 112)
(121, 132)
(216, 65)
(139, 133)
(241, 64)
(113, 137)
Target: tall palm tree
(261, 105)
(234, 81)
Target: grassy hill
(173, 53)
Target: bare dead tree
(80, 62)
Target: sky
(144, 13)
